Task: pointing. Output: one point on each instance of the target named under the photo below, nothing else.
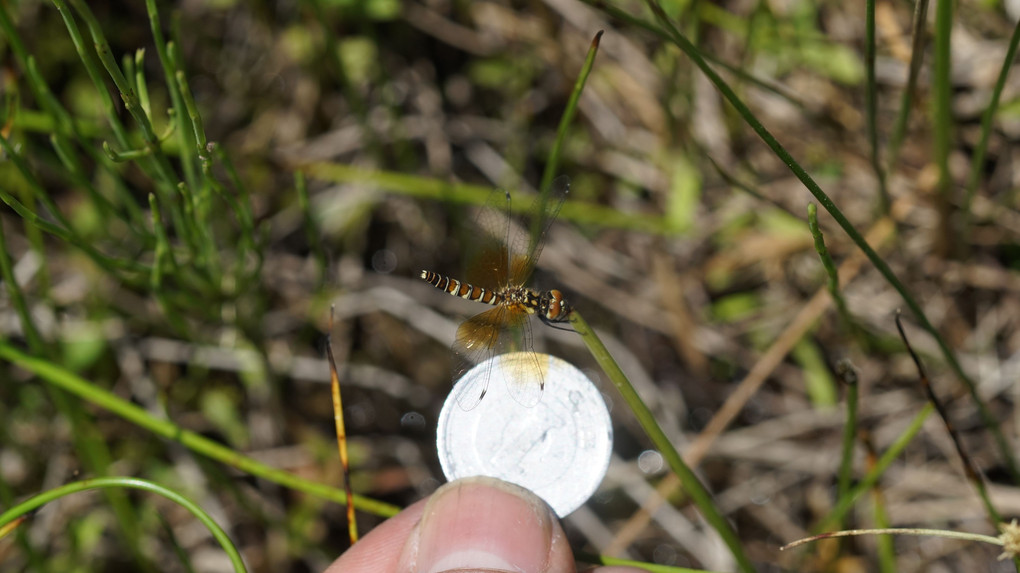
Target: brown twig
(968, 465)
(341, 433)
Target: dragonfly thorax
(548, 305)
(526, 298)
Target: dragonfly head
(552, 307)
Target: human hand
(469, 525)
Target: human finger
(484, 524)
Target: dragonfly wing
(501, 330)
(524, 371)
(488, 264)
(478, 339)
(527, 247)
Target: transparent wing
(524, 375)
(501, 330)
(478, 339)
(488, 264)
(525, 248)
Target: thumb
(484, 524)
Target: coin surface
(558, 448)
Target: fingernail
(481, 523)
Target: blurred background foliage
(186, 261)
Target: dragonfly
(496, 275)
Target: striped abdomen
(461, 289)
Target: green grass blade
(553, 161)
(87, 57)
(838, 513)
(35, 502)
(198, 128)
(77, 386)
(692, 485)
(830, 270)
(640, 565)
(871, 105)
(987, 418)
(977, 164)
(919, 35)
(942, 118)
(739, 73)
(848, 376)
(35, 341)
(438, 190)
(311, 226)
(183, 129)
(96, 456)
(112, 265)
(886, 552)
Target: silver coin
(559, 448)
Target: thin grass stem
(847, 374)
(830, 270)
(886, 552)
(692, 485)
(112, 265)
(435, 189)
(183, 129)
(919, 36)
(843, 505)
(70, 382)
(341, 433)
(942, 121)
(1005, 450)
(640, 565)
(871, 105)
(977, 164)
(17, 297)
(35, 502)
(553, 161)
(311, 225)
(969, 469)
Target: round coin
(559, 448)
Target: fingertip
(488, 524)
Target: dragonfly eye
(553, 307)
